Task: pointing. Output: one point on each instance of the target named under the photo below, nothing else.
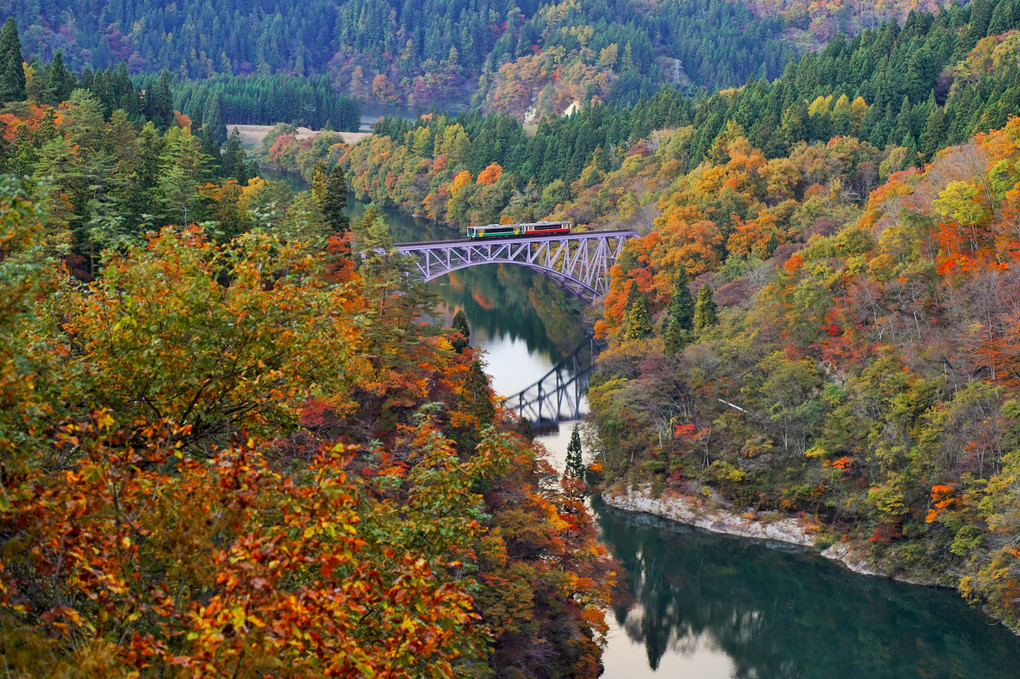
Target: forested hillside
(821, 317)
(424, 53)
(233, 447)
(790, 337)
(230, 447)
(906, 91)
(528, 58)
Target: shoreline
(713, 517)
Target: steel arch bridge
(578, 261)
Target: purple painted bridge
(578, 261)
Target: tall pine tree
(679, 321)
(638, 321)
(12, 64)
(575, 464)
(460, 324)
(59, 81)
(318, 188)
(159, 103)
(705, 315)
(214, 122)
(335, 205)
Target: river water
(703, 606)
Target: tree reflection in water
(780, 612)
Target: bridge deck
(576, 235)
(578, 261)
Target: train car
(511, 230)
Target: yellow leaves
(963, 202)
(462, 179)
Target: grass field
(252, 135)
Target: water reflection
(515, 302)
(713, 606)
(370, 113)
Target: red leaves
(887, 532)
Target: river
(703, 606)
(706, 606)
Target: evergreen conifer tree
(679, 319)
(460, 324)
(575, 464)
(477, 399)
(318, 188)
(233, 159)
(214, 122)
(681, 304)
(638, 321)
(674, 339)
(59, 81)
(705, 314)
(12, 64)
(335, 204)
(159, 103)
(1002, 18)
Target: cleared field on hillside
(252, 135)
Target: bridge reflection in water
(559, 396)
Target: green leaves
(218, 338)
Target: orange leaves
(752, 237)
(231, 565)
(1003, 143)
(695, 245)
(462, 179)
(843, 462)
(944, 498)
(794, 263)
(489, 175)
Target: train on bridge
(510, 230)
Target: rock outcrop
(709, 515)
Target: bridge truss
(578, 261)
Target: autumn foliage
(864, 366)
(249, 459)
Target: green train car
(510, 230)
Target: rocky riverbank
(709, 514)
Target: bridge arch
(579, 262)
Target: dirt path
(252, 135)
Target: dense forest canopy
(230, 446)
(821, 315)
(908, 91)
(425, 52)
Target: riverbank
(711, 515)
